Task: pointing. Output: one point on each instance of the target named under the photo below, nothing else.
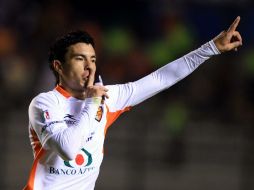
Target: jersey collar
(62, 91)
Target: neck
(79, 94)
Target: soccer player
(67, 125)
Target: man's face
(79, 68)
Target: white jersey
(67, 134)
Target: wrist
(215, 47)
(93, 100)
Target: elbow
(65, 151)
(67, 155)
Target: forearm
(171, 73)
(68, 142)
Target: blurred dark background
(196, 135)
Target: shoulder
(45, 99)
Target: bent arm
(53, 132)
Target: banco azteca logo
(83, 158)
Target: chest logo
(70, 119)
(84, 158)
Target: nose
(87, 64)
(87, 71)
(90, 66)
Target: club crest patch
(99, 114)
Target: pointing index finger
(234, 25)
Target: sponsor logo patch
(70, 119)
(83, 159)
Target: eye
(79, 58)
(93, 60)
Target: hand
(96, 91)
(230, 39)
(92, 69)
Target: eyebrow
(82, 55)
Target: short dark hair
(60, 47)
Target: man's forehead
(82, 48)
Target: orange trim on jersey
(62, 91)
(112, 116)
(36, 145)
(30, 183)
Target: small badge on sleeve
(46, 115)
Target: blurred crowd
(132, 39)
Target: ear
(58, 66)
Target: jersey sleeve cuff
(92, 105)
(214, 48)
(93, 101)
